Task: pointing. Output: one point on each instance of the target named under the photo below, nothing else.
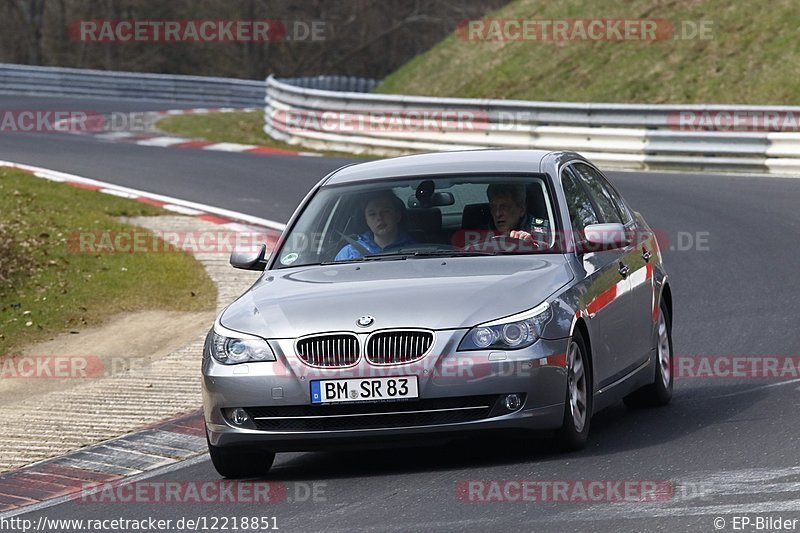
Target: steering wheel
(511, 244)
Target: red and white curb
(161, 140)
(141, 453)
(229, 219)
(135, 454)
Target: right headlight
(231, 347)
(509, 333)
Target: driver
(386, 218)
(507, 204)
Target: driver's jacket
(367, 242)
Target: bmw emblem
(365, 321)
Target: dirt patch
(125, 342)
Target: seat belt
(355, 244)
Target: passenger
(508, 206)
(386, 218)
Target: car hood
(440, 293)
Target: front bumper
(537, 372)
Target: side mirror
(249, 259)
(599, 237)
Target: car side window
(617, 199)
(581, 210)
(600, 193)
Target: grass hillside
(50, 284)
(752, 57)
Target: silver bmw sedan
(431, 296)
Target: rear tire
(659, 392)
(579, 398)
(238, 462)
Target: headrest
(424, 219)
(476, 216)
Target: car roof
(455, 162)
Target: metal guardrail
(299, 111)
(634, 136)
(334, 83)
(57, 81)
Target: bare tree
(368, 38)
(32, 12)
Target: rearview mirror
(437, 199)
(599, 237)
(249, 259)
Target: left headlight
(238, 348)
(509, 333)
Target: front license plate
(364, 389)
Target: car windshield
(423, 217)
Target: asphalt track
(727, 447)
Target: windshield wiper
(453, 253)
(368, 257)
(399, 256)
(430, 253)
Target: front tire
(237, 462)
(659, 392)
(579, 399)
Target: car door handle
(646, 255)
(623, 270)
